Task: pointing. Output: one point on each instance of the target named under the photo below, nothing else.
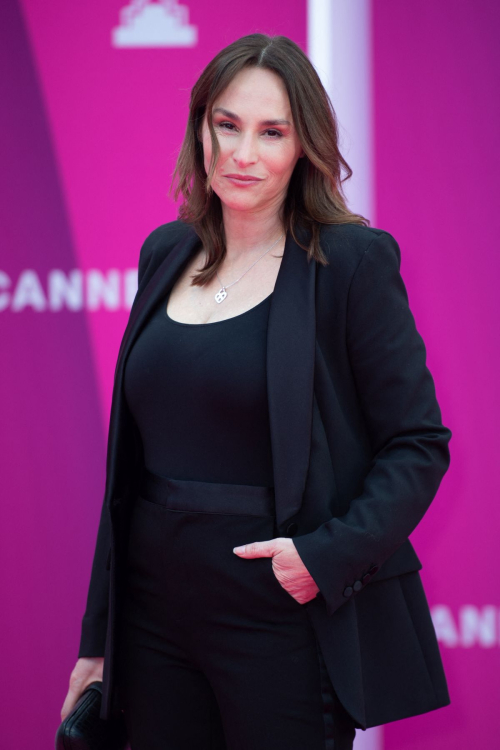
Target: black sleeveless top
(198, 394)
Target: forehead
(255, 92)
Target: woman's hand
(86, 670)
(288, 568)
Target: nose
(245, 151)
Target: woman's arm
(409, 442)
(94, 622)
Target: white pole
(339, 46)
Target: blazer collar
(290, 359)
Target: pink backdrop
(436, 77)
(90, 133)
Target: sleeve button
(357, 586)
(348, 591)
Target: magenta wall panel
(436, 78)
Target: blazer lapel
(290, 363)
(159, 285)
(291, 336)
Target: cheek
(281, 164)
(225, 151)
(224, 154)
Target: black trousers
(213, 653)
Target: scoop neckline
(214, 322)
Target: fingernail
(239, 549)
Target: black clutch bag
(83, 729)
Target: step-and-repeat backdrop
(93, 102)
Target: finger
(76, 688)
(69, 702)
(256, 549)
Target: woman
(270, 384)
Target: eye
(221, 124)
(275, 137)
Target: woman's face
(253, 123)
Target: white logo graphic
(75, 290)
(472, 626)
(147, 24)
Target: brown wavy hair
(315, 193)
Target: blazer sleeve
(95, 618)
(410, 453)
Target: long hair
(315, 193)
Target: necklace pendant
(221, 295)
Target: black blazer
(359, 451)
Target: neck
(250, 234)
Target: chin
(236, 203)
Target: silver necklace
(222, 294)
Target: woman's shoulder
(345, 246)
(166, 235)
(160, 241)
(350, 239)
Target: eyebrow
(232, 115)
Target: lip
(242, 177)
